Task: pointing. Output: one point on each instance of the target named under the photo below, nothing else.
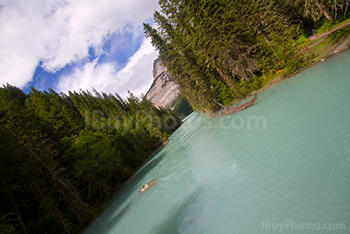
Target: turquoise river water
(281, 166)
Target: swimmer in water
(148, 185)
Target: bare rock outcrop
(164, 91)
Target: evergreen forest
(220, 51)
(63, 156)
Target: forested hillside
(62, 156)
(218, 51)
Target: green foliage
(62, 156)
(213, 48)
(340, 35)
(182, 107)
(8, 224)
(324, 25)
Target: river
(281, 166)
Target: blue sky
(76, 44)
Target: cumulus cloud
(135, 76)
(60, 32)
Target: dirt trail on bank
(312, 38)
(323, 36)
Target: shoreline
(328, 52)
(340, 47)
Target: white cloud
(136, 76)
(60, 32)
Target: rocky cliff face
(164, 90)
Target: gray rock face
(164, 90)
(158, 68)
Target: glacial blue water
(281, 166)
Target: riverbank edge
(332, 50)
(327, 52)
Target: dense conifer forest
(220, 51)
(62, 156)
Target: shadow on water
(107, 224)
(151, 163)
(134, 182)
(178, 221)
(116, 217)
(141, 173)
(120, 197)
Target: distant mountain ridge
(163, 91)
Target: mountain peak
(164, 91)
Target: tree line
(218, 51)
(62, 156)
